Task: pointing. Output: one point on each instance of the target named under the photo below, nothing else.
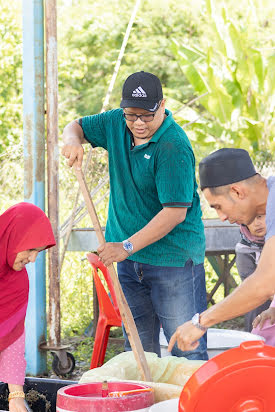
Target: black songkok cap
(225, 166)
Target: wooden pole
(125, 312)
(52, 167)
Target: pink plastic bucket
(87, 397)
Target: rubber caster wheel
(57, 367)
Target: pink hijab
(23, 226)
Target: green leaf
(193, 74)
(258, 66)
(191, 54)
(233, 89)
(270, 78)
(218, 102)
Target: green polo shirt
(146, 178)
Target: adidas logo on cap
(139, 92)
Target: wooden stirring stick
(120, 394)
(125, 312)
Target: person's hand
(186, 336)
(268, 314)
(74, 153)
(111, 252)
(17, 405)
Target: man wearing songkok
(238, 193)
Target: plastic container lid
(238, 380)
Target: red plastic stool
(108, 312)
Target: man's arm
(73, 138)
(157, 228)
(255, 290)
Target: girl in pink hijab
(25, 230)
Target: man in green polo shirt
(154, 229)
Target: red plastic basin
(87, 397)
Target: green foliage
(84, 350)
(10, 74)
(11, 177)
(90, 44)
(76, 294)
(232, 73)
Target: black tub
(40, 393)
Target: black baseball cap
(224, 167)
(143, 90)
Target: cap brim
(150, 105)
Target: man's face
(236, 207)
(145, 130)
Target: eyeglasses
(143, 117)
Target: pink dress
(268, 330)
(12, 362)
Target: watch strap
(196, 322)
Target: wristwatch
(196, 322)
(128, 246)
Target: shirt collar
(164, 126)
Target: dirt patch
(37, 401)
(4, 404)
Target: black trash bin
(40, 393)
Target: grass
(81, 348)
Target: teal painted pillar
(34, 172)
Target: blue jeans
(167, 296)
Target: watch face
(128, 246)
(196, 318)
(196, 322)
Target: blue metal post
(34, 171)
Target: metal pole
(52, 167)
(34, 171)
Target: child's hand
(265, 315)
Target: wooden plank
(222, 267)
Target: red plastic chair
(108, 311)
